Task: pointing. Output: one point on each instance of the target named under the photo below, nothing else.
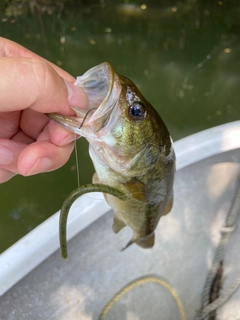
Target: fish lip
(99, 118)
(70, 123)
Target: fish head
(135, 132)
(123, 129)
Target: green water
(184, 56)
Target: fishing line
(75, 146)
(76, 159)
(207, 58)
(213, 52)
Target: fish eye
(137, 110)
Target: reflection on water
(183, 56)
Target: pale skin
(31, 86)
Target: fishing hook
(85, 117)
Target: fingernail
(6, 156)
(76, 96)
(41, 165)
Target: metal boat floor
(186, 239)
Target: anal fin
(118, 224)
(169, 207)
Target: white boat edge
(26, 254)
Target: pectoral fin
(137, 189)
(95, 178)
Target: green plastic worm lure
(68, 203)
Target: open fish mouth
(103, 88)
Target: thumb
(33, 83)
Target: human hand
(30, 86)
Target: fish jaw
(110, 87)
(103, 88)
(71, 123)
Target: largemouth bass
(131, 150)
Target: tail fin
(147, 242)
